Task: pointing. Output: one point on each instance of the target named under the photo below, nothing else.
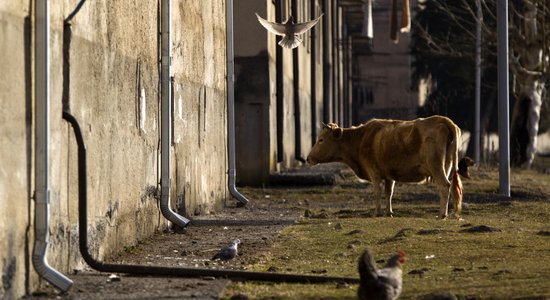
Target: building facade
(105, 70)
(282, 96)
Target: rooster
(383, 283)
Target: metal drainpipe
(158, 270)
(345, 57)
(230, 53)
(334, 48)
(296, 95)
(166, 118)
(279, 85)
(326, 62)
(313, 80)
(337, 101)
(42, 139)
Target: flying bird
(288, 29)
(228, 252)
(383, 283)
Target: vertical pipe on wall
(296, 95)
(313, 75)
(345, 57)
(326, 62)
(166, 118)
(230, 56)
(279, 84)
(338, 59)
(42, 139)
(503, 98)
(335, 62)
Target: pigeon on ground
(288, 29)
(383, 283)
(228, 252)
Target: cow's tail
(456, 183)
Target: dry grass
(510, 263)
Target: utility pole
(477, 131)
(503, 98)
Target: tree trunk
(526, 113)
(525, 122)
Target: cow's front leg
(377, 196)
(388, 188)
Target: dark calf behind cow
(386, 151)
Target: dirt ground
(257, 225)
(307, 192)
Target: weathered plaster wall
(15, 148)
(112, 85)
(200, 135)
(105, 71)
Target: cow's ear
(337, 132)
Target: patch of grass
(510, 263)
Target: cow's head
(326, 149)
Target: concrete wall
(15, 148)
(200, 114)
(105, 71)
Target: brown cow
(392, 150)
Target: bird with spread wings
(289, 30)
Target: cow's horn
(326, 125)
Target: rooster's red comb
(401, 253)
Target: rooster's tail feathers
(367, 267)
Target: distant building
(382, 76)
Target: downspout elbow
(41, 266)
(39, 261)
(168, 213)
(233, 188)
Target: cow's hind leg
(443, 200)
(388, 189)
(443, 186)
(377, 196)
